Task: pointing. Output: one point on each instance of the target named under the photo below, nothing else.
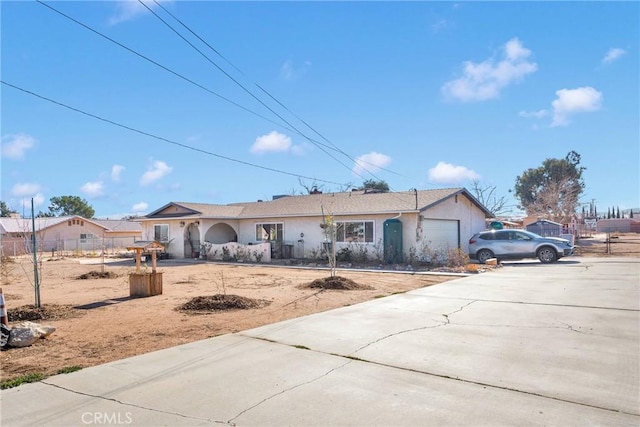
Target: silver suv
(517, 244)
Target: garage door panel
(441, 233)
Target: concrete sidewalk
(528, 344)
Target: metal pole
(34, 249)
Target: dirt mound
(221, 302)
(97, 275)
(45, 312)
(337, 282)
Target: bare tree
(487, 196)
(553, 189)
(556, 201)
(328, 226)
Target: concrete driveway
(528, 344)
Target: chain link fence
(109, 246)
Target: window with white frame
(161, 232)
(83, 238)
(269, 232)
(354, 231)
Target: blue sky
(418, 94)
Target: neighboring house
(66, 233)
(618, 225)
(394, 224)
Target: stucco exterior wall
(306, 237)
(617, 225)
(472, 219)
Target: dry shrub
(221, 302)
(337, 282)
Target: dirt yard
(98, 322)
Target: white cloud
(116, 170)
(534, 114)
(26, 189)
(38, 200)
(289, 72)
(286, 71)
(157, 170)
(93, 189)
(274, 141)
(127, 10)
(446, 173)
(370, 162)
(572, 101)
(439, 25)
(485, 80)
(15, 146)
(140, 207)
(613, 54)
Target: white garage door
(441, 233)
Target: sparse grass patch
(68, 369)
(24, 379)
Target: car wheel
(483, 255)
(547, 255)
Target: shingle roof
(347, 203)
(344, 203)
(24, 225)
(205, 209)
(118, 224)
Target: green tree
(372, 184)
(70, 205)
(608, 213)
(552, 190)
(617, 211)
(5, 210)
(631, 213)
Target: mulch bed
(45, 312)
(97, 275)
(337, 283)
(221, 302)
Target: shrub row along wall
(260, 252)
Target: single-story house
(394, 226)
(66, 234)
(618, 225)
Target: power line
(189, 81)
(180, 75)
(160, 65)
(245, 89)
(179, 144)
(256, 84)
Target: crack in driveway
(133, 405)
(287, 390)
(446, 322)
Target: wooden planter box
(145, 284)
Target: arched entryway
(220, 233)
